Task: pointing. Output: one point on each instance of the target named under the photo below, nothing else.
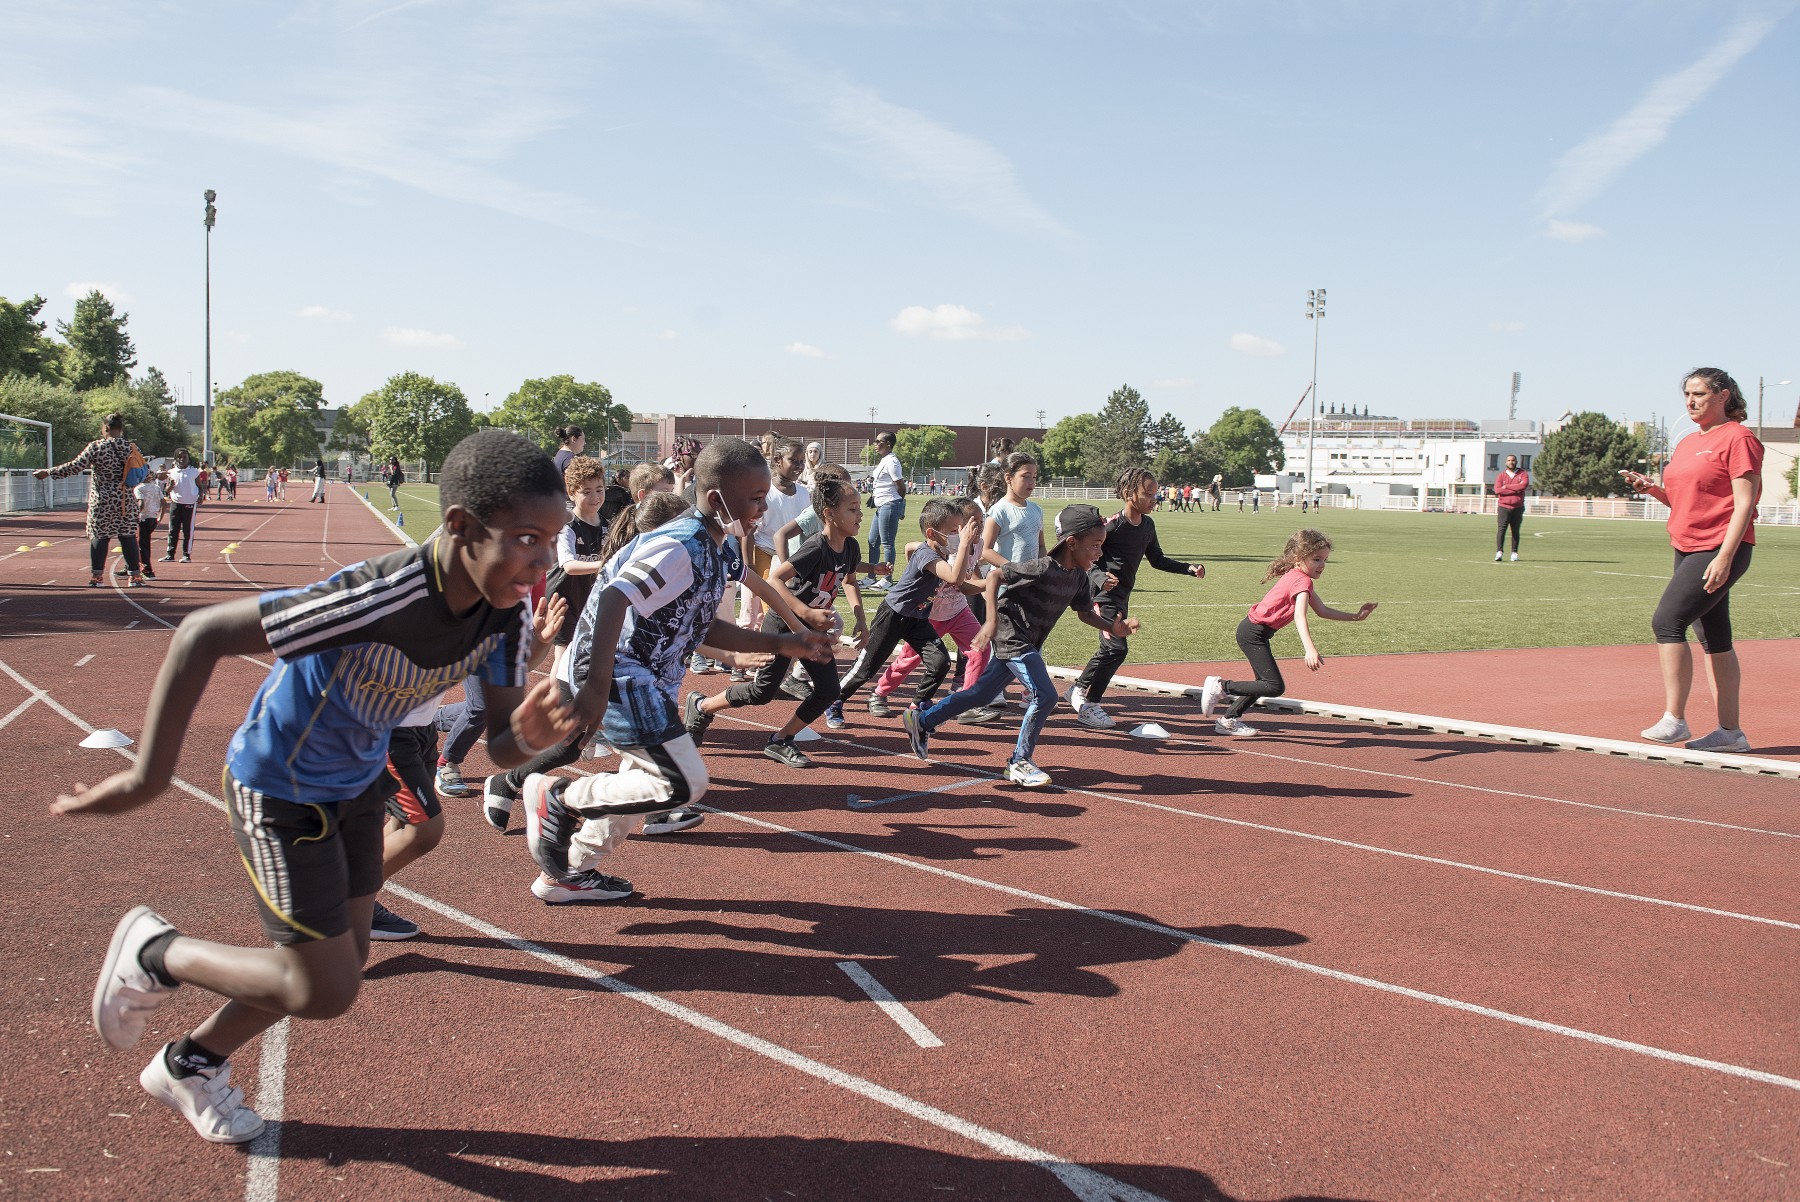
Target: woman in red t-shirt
(1301, 564)
(1711, 485)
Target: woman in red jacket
(1509, 488)
(1711, 485)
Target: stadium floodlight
(1315, 313)
(1760, 386)
(212, 215)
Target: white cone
(1149, 730)
(807, 735)
(108, 739)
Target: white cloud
(321, 313)
(111, 292)
(400, 336)
(1507, 327)
(1572, 231)
(951, 323)
(1256, 347)
(805, 350)
(1584, 171)
(667, 335)
(1172, 382)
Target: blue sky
(941, 210)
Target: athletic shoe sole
(495, 807)
(562, 895)
(916, 733)
(121, 1025)
(161, 1084)
(537, 799)
(459, 789)
(671, 825)
(1210, 692)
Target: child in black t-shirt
(812, 576)
(1037, 593)
(578, 557)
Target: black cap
(1078, 519)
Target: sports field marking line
(1506, 1016)
(262, 1176)
(162, 621)
(1417, 857)
(1649, 752)
(890, 1005)
(83, 660)
(396, 531)
(856, 802)
(17, 710)
(1088, 1185)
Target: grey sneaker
(985, 713)
(126, 993)
(208, 1100)
(450, 782)
(796, 688)
(878, 706)
(916, 734)
(783, 751)
(1027, 775)
(1721, 740)
(696, 719)
(1668, 729)
(1237, 728)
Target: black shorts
(412, 763)
(308, 861)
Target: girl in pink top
(1301, 563)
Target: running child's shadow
(540, 1166)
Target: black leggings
(560, 756)
(886, 633)
(146, 531)
(97, 553)
(1685, 602)
(1510, 519)
(1099, 671)
(1253, 640)
(181, 524)
(761, 688)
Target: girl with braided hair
(1130, 540)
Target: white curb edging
(387, 521)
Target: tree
(24, 350)
(270, 418)
(1063, 444)
(539, 406)
(418, 417)
(1585, 457)
(1166, 433)
(350, 433)
(924, 448)
(154, 388)
(1793, 478)
(153, 426)
(1120, 436)
(1031, 447)
(99, 351)
(42, 400)
(1244, 443)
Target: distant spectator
(393, 475)
(574, 442)
(318, 492)
(1509, 493)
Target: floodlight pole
(1760, 385)
(1315, 313)
(212, 215)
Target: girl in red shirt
(1711, 485)
(1300, 565)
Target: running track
(1332, 963)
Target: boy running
(1037, 592)
(305, 783)
(1130, 540)
(655, 602)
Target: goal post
(49, 453)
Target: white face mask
(952, 543)
(732, 526)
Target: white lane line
(890, 1005)
(83, 660)
(17, 710)
(1254, 953)
(132, 623)
(1373, 849)
(4, 600)
(262, 1176)
(1088, 1185)
(856, 802)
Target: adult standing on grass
(888, 482)
(1711, 485)
(393, 475)
(1509, 491)
(574, 442)
(112, 510)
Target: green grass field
(1581, 582)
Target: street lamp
(744, 421)
(1315, 313)
(987, 437)
(1759, 400)
(212, 215)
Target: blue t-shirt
(911, 596)
(1019, 529)
(367, 650)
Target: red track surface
(1123, 970)
(1608, 692)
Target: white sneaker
(1496, 557)
(1212, 691)
(1093, 717)
(207, 1100)
(1669, 730)
(126, 993)
(496, 802)
(1077, 699)
(1027, 775)
(1234, 727)
(1515, 557)
(1721, 740)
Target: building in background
(1392, 462)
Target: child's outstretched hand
(1314, 661)
(818, 619)
(116, 794)
(811, 644)
(1368, 607)
(552, 611)
(1199, 571)
(543, 718)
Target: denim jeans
(886, 531)
(1040, 698)
(464, 721)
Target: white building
(1393, 463)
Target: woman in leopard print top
(112, 510)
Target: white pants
(649, 780)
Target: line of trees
(1096, 447)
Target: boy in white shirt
(149, 495)
(787, 500)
